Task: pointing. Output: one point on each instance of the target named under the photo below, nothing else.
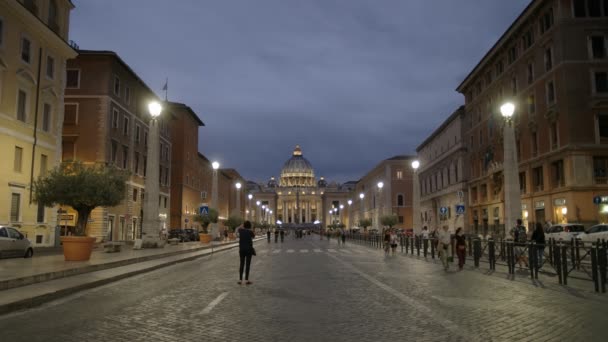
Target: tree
(365, 223)
(389, 220)
(83, 187)
(233, 221)
(206, 220)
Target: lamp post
(250, 196)
(238, 198)
(151, 223)
(258, 215)
(416, 198)
(510, 169)
(361, 197)
(341, 212)
(214, 200)
(379, 203)
(350, 211)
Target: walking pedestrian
(343, 236)
(282, 235)
(393, 242)
(520, 237)
(387, 241)
(538, 236)
(276, 235)
(444, 240)
(268, 235)
(461, 247)
(246, 251)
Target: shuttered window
(18, 159)
(15, 207)
(40, 213)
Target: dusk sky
(352, 81)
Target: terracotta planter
(77, 248)
(205, 238)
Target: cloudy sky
(352, 81)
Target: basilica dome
(297, 171)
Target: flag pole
(166, 88)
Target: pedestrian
(461, 247)
(444, 241)
(538, 236)
(276, 235)
(268, 235)
(246, 251)
(225, 234)
(343, 236)
(393, 242)
(425, 232)
(387, 241)
(282, 235)
(520, 237)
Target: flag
(166, 85)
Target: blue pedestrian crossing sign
(597, 200)
(203, 210)
(460, 209)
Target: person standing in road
(246, 251)
(268, 235)
(444, 240)
(387, 241)
(461, 247)
(538, 236)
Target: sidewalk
(26, 283)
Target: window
(534, 144)
(137, 134)
(43, 165)
(40, 213)
(203, 194)
(134, 195)
(530, 73)
(601, 82)
(531, 104)
(113, 152)
(484, 192)
(554, 136)
(579, 8)
(546, 21)
(165, 204)
(145, 165)
(116, 86)
(50, 67)
(488, 78)
(145, 138)
(127, 95)
(18, 160)
(598, 47)
(15, 207)
(594, 8)
(167, 176)
(499, 68)
(512, 54)
(70, 115)
(46, 117)
(26, 50)
(125, 156)
(136, 166)
(53, 15)
(557, 173)
(125, 126)
(548, 59)
(400, 219)
(67, 150)
(400, 200)
(456, 173)
(72, 78)
(160, 175)
(603, 125)
(114, 118)
(537, 178)
(550, 92)
(600, 165)
(21, 105)
(522, 182)
(528, 39)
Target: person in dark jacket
(276, 235)
(538, 236)
(246, 251)
(268, 235)
(282, 232)
(461, 247)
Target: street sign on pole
(460, 209)
(443, 210)
(597, 200)
(203, 210)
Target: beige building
(553, 63)
(442, 176)
(106, 121)
(33, 52)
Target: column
(285, 219)
(151, 223)
(511, 174)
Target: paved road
(311, 290)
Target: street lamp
(238, 186)
(362, 208)
(416, 194)
(380, 204)
(510, 170)
(151, 223)
(250, 196)
(350, 215)
(214, 200)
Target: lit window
(26, 50)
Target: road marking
(346, 251)
(276, 251)
(331, 250)
(215, 302)
(263, 251)
(303, 250)
(290, 251)
(317, 250)
(417, 305)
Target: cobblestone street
(312, 290)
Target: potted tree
(389, 220)
(232, 222)
(205, 221)
(84, 188)
(365, 223)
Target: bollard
(572, 254)
(510, 254)
(425, 243)
(412, 245)
(594, 267)
(470, 249)
(418, 245)
(564, 253)
(532, 257)
(433, 249)
(476, 251)
(556, 262)
(503, 246)
(407, 244)
(551, 251)
(401, 242)
(602, 265)
(578, 255)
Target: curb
(38, 300)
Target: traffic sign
(443, 210)
(460, 209)
(203, 210)
(597, 200)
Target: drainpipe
(35, 123)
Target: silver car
(14, 244)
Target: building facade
(552, 62)
(33, 53)
(106, 121)
(442, 176)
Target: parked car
(191, 234)
(599, 231)
(179, 234)
(565, 232)
(14, 244)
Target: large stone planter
(77, 248)
(205, 238)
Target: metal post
(532, 255)
(564, 253)
(476, 251)
(433, 248)
(492, 254)
(594, 267)
(557, 262)
(412, 245)
(425, 243)
(417, 245)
